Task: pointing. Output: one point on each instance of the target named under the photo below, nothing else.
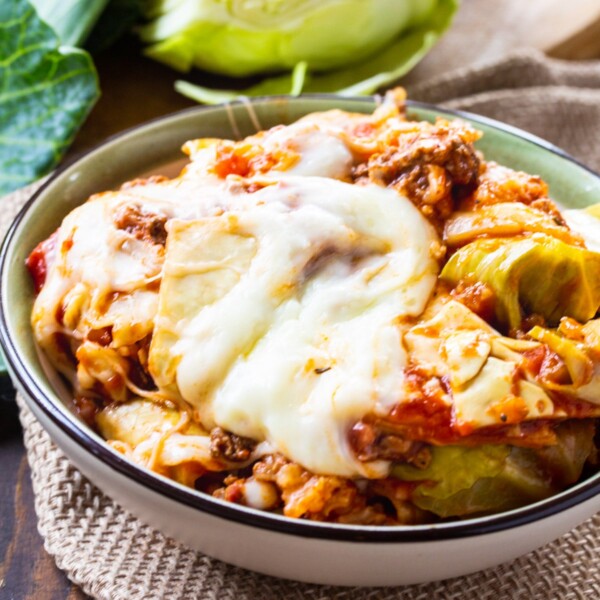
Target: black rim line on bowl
(251, 517)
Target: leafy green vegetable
(518, 483)
(504, 219)
(463, 481)
(540, 274)
(292, 84)
(565, 460)
(241, 37)
(46, 92)
(487, 479)
(71, 20)
(455, 468)
(381, 41)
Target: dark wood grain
(134, 90)
(27, 572)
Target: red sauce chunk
(38, 263)
(545, 365)
(86, 408)
(230, 161)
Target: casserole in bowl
(308, 544)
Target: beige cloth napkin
(114, 556)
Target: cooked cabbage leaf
(539, 274)
(463, 481)
(479, 365)
(184, 292)
(140, 425)
(504, 219)
(565, 460)
(134, 421)
(454, 468)
(383, 40)
(46, 92)
(487, 479)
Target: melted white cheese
(309, 338)
(322, 153)
(296, 342)
(319, 145)
(587, 224)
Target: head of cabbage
(353, 40)
(246, 37)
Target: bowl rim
(77, 432)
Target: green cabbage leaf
(46, 92)
(350, 47)
(504, 219)
(462, 481)
(538, 274)
(71, 20)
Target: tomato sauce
(37, 261)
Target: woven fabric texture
(113, 556)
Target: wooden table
(135, 90)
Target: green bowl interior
(142, 149)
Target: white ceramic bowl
(295, 549)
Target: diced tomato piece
(37, 261)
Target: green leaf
(46, 92)
(364, 78)
(286, 84)
(455, 468)
(71, 20)
(462, 481)
(392, 62)
(251, 37)
(538, 274)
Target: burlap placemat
(113, 556)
